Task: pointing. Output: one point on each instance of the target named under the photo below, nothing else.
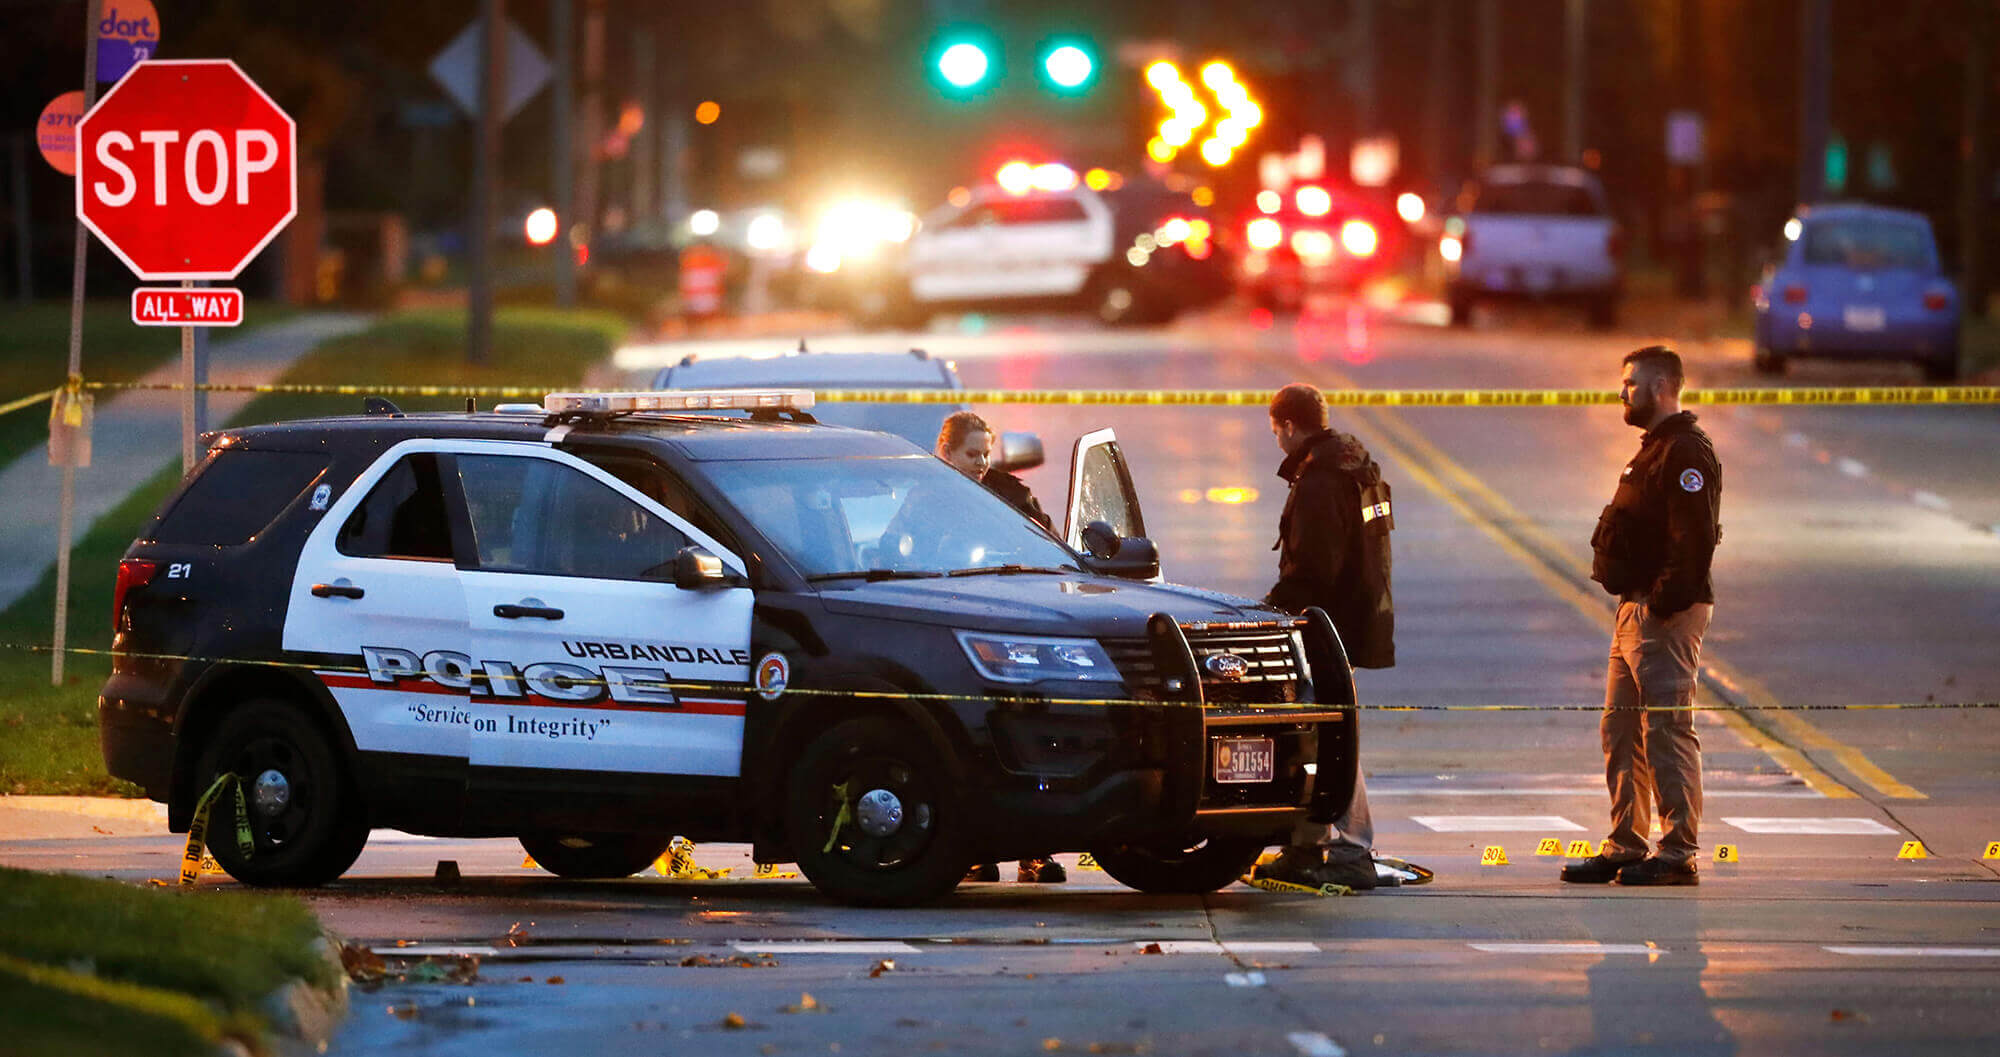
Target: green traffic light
(1068, 66)
(963, 65)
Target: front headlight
(1034, 659)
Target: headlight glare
(1033, 658)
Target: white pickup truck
(1535, 232)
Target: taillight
(1936, 300)
(1795, 294)
(1265, 234)
(132, 572)
(1358, 238)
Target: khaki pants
(1652, 758)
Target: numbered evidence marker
(1578, 849)
(1913, 849)
(1992, 850)
(1726, 853)
(1494, 855)
(1549, 846)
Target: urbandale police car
(615, 618)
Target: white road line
(438, 950)
(1497, 823)
(828, 947)
(1244, 979)
(1851, 467)
(1817, 827)
(1313, 1044)
(1242, 947)
(1918, 952)
(1930, 500)
(1559, 947)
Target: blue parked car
(1858, 282)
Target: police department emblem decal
(320, 497)
(774, 673)
(1691, 480)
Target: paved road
(1841, 584)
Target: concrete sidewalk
(136, 434)
(79, 817)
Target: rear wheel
(306, 818)
(1766, 361)
(1176, 869)
(593, 857)
(873, 817)
(1942, 371)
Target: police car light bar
(679, 400)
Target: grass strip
(99, 966)
(48, 735)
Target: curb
(135, 810)
(304, 1016)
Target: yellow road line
(1410, 446)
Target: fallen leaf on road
(1151, 948)
(363, 966)
(807, 1004)
(886, 965)
(556, 980)
(404, 1011)
(735, 1022)
(1052, 1044)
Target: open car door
(1101, 489)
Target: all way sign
(154, 306)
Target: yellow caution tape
(1271, 884)
(192, 859)
(1915, 394)
(27, 401)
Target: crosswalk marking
(1563, 947)
(1314, 1044)
(828, 947)
(1236, 947)
(1497, 823)
(1918, 952)
(1813, 826)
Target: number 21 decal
(180, 570)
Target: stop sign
(186, 169)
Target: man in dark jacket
(966, 442)
(1333, 552)
(1652, 549)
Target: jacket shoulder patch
(1691, 480)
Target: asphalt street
(1860, 566)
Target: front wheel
(307, 822)
(873, 817)
(1177, 868)
(593, 857)
(1764, 360)
(1942, 371)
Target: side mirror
(1130, 557)
(695, 568)
(1019, 451)
(1100, 540)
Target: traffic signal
(965, 62)
(1068, 65)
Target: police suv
(614, 618)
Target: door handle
(342, 590)
(512, 612)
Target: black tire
(1165, 869)
(309, 825)
(1461, 310)
(1603, 312)
(594, 857)
(918, 860)
(1943, 371)
(1765, 361)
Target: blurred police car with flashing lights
(609, 619)
(1039, 239)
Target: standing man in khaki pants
(1652, 549)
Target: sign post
(66, 515)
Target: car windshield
(916, 423)
(1538, 198)
(910, 515)
(1857, 242)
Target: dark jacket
(1654, 541)
(1015, 492)
(1333, 545)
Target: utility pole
(1486, 105)
(562, 153)
(1976, 156)
(485, 178)
(66, 504)
(1815, 67)
(1573, 78)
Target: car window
(660, 485)
(537, 516)
(403, 516)
(1038, 211)
(1867, 242)
(1102, 491)
(910, 513)
(976, 217)
(238, 493)
(1538, 198)
(916, 423)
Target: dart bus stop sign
(186, 169)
